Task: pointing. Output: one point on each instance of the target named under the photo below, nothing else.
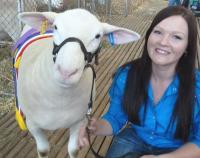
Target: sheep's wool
(29, 37)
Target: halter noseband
(88, 55)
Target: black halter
(88, 55)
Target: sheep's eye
(55, 27)
(97, 36)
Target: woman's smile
(161, 51)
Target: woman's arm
(188, 150)
(100, 127)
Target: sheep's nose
(65, 74)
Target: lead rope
(89, 112)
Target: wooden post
(126, 8)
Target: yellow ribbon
(16, 65)
(44, 27)
(20, 120)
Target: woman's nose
(164, 40)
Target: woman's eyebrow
(175, 31)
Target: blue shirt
(153, 130)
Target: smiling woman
(166, 44)
(158, 94)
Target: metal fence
(10, 27)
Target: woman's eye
(157, 32)
(97, 36)
(177, 37)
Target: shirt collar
(171, 90)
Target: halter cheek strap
(88, 55)
(89, 112)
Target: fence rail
(10, 27)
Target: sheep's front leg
(41, 140)
(73, 140)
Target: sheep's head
(76, 33)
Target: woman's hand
(94, 127)
(83, 136)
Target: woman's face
(168, 41)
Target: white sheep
(54, 90)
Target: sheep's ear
(35, 19)
(119, 35)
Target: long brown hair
(140, 71)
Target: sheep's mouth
(73, 73)
(68, 80)
(66, 74)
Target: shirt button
(152, 133)
(151, 137)
(174, 89)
